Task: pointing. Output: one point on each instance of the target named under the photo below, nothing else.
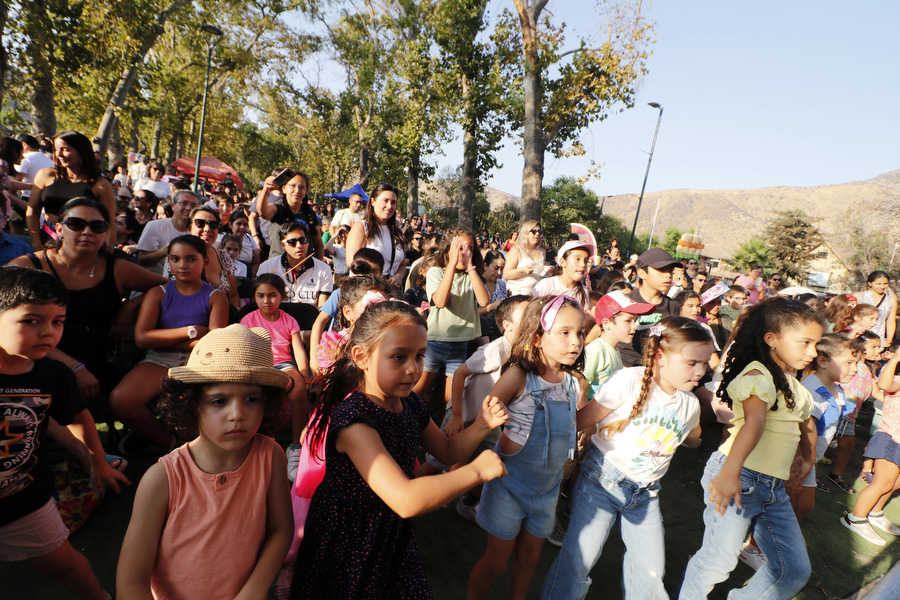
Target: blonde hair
(677, 332)
(524, 228)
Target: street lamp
(641, 199)
(215, 34)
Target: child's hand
(799, 470)
(454, 425)
(489, 466)
(493, 412)
(453, 256)
(107, 477)
(465, 253)
(722, 490)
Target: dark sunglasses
(77, 224)
(537, 231)
(416, 239)
(294, 241)
(201, 223)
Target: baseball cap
(656, 258)
(571, 245)
(616, 302)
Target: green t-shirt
(600, 361)
(458, 321)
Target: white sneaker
(558, 536)
(884, 524)
(467, 511)
(864, 530)
(752, 556)
(293, 461)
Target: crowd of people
(207, 320)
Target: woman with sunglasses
(525, 261)
(98, 282)
(219, 272)
(76, 174)
(379, 230)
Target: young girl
(172, 320)
(285, 333)
(645, 413)
(453, 286)
(213, 518)
(885, 451)
(744, 481)
(691, 308)
(572, 259)
(856, 319)
(541, 392)
(358, 540)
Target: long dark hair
(11, 152)
(371, 220)
(90, 170)
(774, 315)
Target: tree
(794, 239)
(752, 252)
(610, 227)
(566, 201)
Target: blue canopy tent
(345, 195)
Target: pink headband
(548, 315)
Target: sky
(760, 94)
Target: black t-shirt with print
(631, 353)
(27, 401)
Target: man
(414, 251)
(138, 170)
(157, 234)
(347, 216)
(753, 283)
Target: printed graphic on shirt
(664, 431)
(21, 414)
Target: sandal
(839, 481)
(822, 486)
(117, 462)
(867, 476)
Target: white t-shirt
(485, 366)
(160, 188)
(345, 217)
(312, 282)
(551, 286)
(644, 449)
(384, 243)
(32, 162)
(156, 236)
(247, 247)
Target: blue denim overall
(527, 496)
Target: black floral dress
(354, 545)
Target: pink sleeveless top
(215, 527)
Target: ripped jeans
(602, 494)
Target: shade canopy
(210, 168)
(345, 195)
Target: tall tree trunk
(38, 31)
(129, 73)
(157, 136)
(470, 159)
(363, 160)
(116, 153)
(412, 186)
(4, 12)
(135, 137)
(175, 143)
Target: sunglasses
(536, 231)
(776, 279)
(294, 241)
(416, 239)
(201, 223)
(77, 224)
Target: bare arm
(455, 424)
(104, 193)
(266, 210)
(42, 179)
(85, 431)
(146, 334)
(315, 338)
(141, 543)
(727, 484)
(886, 381)
(890, 325)
(513, 271)
(148, 258)
(460, 447)
(218, 310)
(356, 239)
(300, 355)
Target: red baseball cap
(616, 302)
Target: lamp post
(215, 34)
(646, 173)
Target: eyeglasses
(536, 231)
(692, 262)
(294, 241)
(417, 238)
(292, 186)
(201, 223)
(77, 224)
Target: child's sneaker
(466, 508)
(558, 536)
(293, 461)
(752, 556)
(863, 529)
(884, 524)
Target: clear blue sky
(755, 95)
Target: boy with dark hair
(33, 389)
(617, 317)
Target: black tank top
(61, 191)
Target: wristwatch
(192, 332)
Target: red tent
(210, 167)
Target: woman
(153, 182)
(336, 248)
(98, 282)
(525, 261)
(615, 255)
(308, 280)
(494, 263)
(379, 230)
(11, 151)
(76, 174)
(879, 294)
(204, 223)
(511, 242)
(295, 206)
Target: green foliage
(566, 201)
(795, 239)
(504, 219)
(871, 251)
(752, 252)
(613, 227)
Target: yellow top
(775, 450)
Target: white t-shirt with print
(306, 288)
(644, 449)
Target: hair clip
(548, 315)
(657, 330)
(371, 297)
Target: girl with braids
(541, 389)
(358, 540)
(744, 481)
(644, 413)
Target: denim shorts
(284, 366)
(882, 445)
(450, 355)
(166, 359)
(506, 507)
(846, 428)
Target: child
(453, 285)
(645, 413)
(359, 539)
(212, 519)
(572, 259)
(835, 364)
(172, 320)
(615, 314)
(231, 244)
(735, 300)
(744, 481)
(856, 319)
(542, 394)
(34, 389)
(288, 352)
(884, 450)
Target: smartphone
(283, 177)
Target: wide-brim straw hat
(233, 354)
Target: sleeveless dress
(884, 310)
(354, 545)
(523, 284)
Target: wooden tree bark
(116, 153)
(470, 160)
(38, 31)
(4, 12)
(412, 187)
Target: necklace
(91, 274)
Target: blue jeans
(767, 509)
(602, 494)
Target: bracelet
(472, 268)
(77, 367)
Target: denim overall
(527, 496)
